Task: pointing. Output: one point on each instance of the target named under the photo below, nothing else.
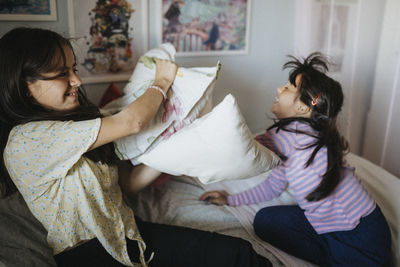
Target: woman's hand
(165, 73)
(136, 116)
(215, 197)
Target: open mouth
(72, 94)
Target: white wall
(381, 144)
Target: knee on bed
(266, 222)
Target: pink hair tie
(316, 98)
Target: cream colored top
(73, 197)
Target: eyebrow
(64, 67)
(60, 69)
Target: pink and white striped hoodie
(340, 211)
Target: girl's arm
(135, 117)
(265, 191)
(269, 189)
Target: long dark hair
(25, 54)
(326, 94)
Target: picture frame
(108, 37)
(30, 10)
(202, 28)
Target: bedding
(23, 239)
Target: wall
(381, 143)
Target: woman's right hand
(215, 197)
(165, 73)
(136, 116)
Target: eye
(75, 70)
(63, 74)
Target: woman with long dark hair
(56, 150)
(336, 222)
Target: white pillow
(187, 97)
(218, 146)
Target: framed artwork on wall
(108, 37)
(28, 10)
(205, 27)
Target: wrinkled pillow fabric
(187, 97)
(219, 146)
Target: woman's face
(61, 91)
(287, 103)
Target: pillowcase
(187, 97)
(218, 146)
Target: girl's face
(288, 104)
(61, 92)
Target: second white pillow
(218, 146)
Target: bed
(23, 239)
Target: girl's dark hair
(25, 54)
(327, 95)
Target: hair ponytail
(314, 82)
(336, 148)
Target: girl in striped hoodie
(336, 222)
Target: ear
(302, 110)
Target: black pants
(173, 247)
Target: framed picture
(205, 27)
(108, 37)
(28, 10)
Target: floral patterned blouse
(73, 197)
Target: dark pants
(287, 228)
(173, 246)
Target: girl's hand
(165, 73)
(215, 197)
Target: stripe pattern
(340, 211)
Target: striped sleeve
(265, 191)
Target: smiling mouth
(72, 94)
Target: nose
(279, 89)
(74, 80)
